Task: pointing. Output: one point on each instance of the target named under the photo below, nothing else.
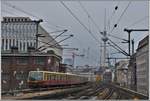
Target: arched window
(24, 46)
(20, 45)
(9, 43)
(2, 44)
(8, 20)
(27, 44)
(31, 44)
(6, 43)
(13, 42)
(17, 43)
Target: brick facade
(16, 66)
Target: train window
(62, 77)
(71, 78)
(36, 76)
(66, 77)
(59, 77)
(45, 76)
(49, 76)
(53, 77)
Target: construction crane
(73, 55)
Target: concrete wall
(121, 73)
(142, 60)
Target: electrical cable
(116, 37)
(138, 21)
(54, 38)
(89, 16)
(125, 53)
(121, 16)
(58, 42)
(25, 12)
(113, 13)
(79, 21)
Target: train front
(35, 79)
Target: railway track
(89, 93)
(24, 91)
(49, 93)
(81, 92)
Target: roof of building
(143, 42)
(47, 40)
(14, 19)
(36, 54)
(122, 64)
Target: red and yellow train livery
(47, 79)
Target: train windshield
(33, 76)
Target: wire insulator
(116, 7)
(115, 25)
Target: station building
(19, 54)
(142, 66)
(121, 72)
(132, 79)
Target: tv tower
(104, 39)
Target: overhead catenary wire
(5, 11)
(116, 37)
(57, 43)
(29, 14)
(124, 52)
(89, 16)
(55, 37)
(115, 25)
(138, 21)
(113, 13)
(17, 8)
(79, 21)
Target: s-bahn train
(107, 77)
(48, 79)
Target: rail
(130, 93)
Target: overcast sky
(59, 18)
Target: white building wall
(19, 31)
(142, 70)
(23, 33)
(122, 73)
